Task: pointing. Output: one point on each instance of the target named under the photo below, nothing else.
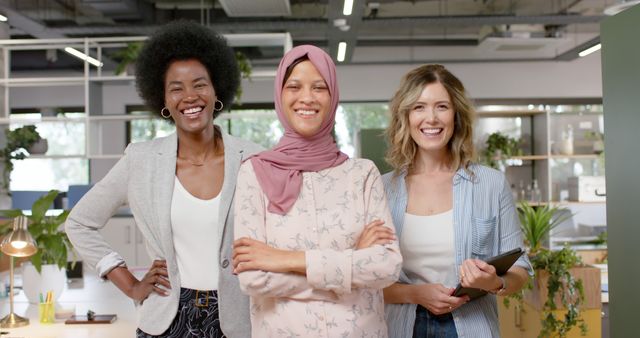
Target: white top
(427, 248)
(194, 223)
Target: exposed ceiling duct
(519, 43)
(112, 6)
(386, 28)
(521, 38)
(322, 24)
(252, 8)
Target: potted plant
(500, 147)
(47, 268)
(126, 57)
(598, 141)
(557, 292)
(19, 141)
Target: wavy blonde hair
(402, 148)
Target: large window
(145, 130)
(262, 126)
(63, 163)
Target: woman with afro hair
(180, 189)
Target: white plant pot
(40, 147)
(52, 278)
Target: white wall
(580, 78)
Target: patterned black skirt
(197, 317)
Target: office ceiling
(377, 32)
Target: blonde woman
(449, 212)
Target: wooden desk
(88, 293)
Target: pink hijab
(279, 170)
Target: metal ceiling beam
(397, 42)
(347, 32)
(34, 28)
(321, 25)
(27, 24)
(122, 9)
(481, 20)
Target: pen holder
(47, 312)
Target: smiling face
(305, 99)
(189, 96)
(431, 119)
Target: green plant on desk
(53, 243)
(536, 223)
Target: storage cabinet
(125, 238)
(524, 322)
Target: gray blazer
(144, 180)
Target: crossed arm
(263, 270)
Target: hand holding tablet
(502, 263)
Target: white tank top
(194, 223)
(427, 248)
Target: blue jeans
(428, 325)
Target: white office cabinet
(142, 257)
(125, 238)
(119, 232)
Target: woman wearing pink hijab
(314, 241)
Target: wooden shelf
(114, 78)
(55, 157)
(562, 203)
(546, 157)
(530, 157)
(577, 156)
(576, 202)
(509, 113)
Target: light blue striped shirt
(485, 223)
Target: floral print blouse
(341, 294)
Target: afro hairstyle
(185, 40)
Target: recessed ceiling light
(348, 7)
(342, 51)
(83, 56)
(590, 50)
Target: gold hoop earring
(215, 105)
(162, 113)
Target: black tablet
(501, 262)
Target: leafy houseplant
(560, 283)
(244, 65)
(19, 141)
(598, 140)
(53, 243)
(555, 268)
(500, 147)
(127, 56)
(537, 222)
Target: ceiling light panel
(252, 8)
